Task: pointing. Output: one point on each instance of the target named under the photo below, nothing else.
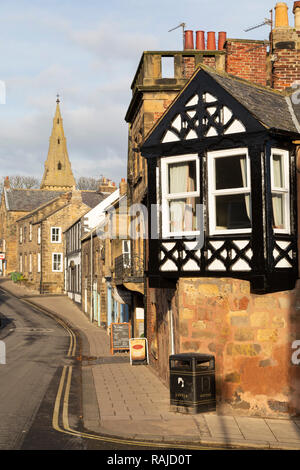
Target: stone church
(24, 214)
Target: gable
(204, 109)
(204, 115)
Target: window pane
(233, 212)
(231, 172)
(278, 175)
(182, 177)
(278, 212)
(183, 215)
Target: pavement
(131, 402)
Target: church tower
(58, 172)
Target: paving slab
(222, 426)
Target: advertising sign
(138, 351)
(119, 336)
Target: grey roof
(92, 198)
(26, 200)
(270, 107)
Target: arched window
(59, 166)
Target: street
(40, 386)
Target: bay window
(229, 191)
(180, 195)
(280, 190)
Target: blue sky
(88, 52)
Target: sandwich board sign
(138, 351)
(119, 337)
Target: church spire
(58, 172)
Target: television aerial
(181, 25)
(267, 21)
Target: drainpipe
(91, 306)
(41, 263)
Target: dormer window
(180, 195)
(229, 191)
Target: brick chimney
(123, 187)
(247, 59)
(106, 186)
(286, 48)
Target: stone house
(16, 203)
(222, 277)
(40, 239)
(117, 260)
(78, 231)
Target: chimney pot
(7, 182)
(221, 40)
(211, 41)
(296, 11)
(189, 39)
(281, 15)
(200, 40)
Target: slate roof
(269, 106)
(26, 200)
(92, 198)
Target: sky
(88, 52)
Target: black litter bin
(192, 383)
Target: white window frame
(30, 231)
(212, 192)
(52, 235)
(61, 263)
(39, 262)
(21, 263)
(21, 235)
(166, 197)
(30, 263)
(39, 230)
(285, 191)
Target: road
(41, 386)
(36, 350)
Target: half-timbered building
(223, 257)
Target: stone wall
(251, 337)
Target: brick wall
(247, 60)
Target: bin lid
(187, 356)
